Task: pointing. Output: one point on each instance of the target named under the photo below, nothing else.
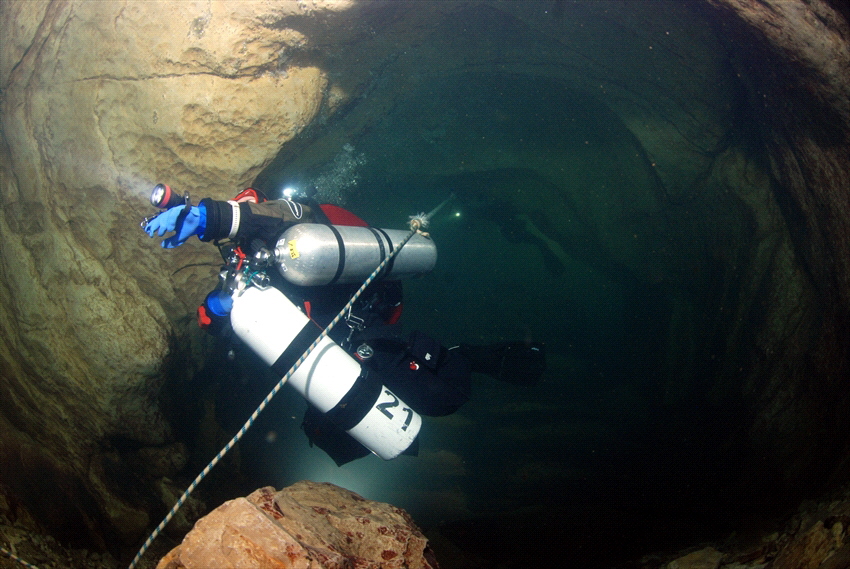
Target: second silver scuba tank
(312, 254)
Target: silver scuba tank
(312, 254)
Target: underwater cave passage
(561, 232)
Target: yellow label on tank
(293, 249)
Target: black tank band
(296, 347)
(378, 232)
(341, 263)
(355, 404)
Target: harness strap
(181, 217)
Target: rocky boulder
(304, 526)
(814, 537)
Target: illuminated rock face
(100, 100)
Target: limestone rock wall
(794, 60)
(101, 100)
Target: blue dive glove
(194, 223)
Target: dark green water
(591, 462)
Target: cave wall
(793, 60)
(102, 100)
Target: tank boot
(520, 363)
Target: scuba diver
(368, 383)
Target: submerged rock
(305, 526)
(706, 558)
(815, 537)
